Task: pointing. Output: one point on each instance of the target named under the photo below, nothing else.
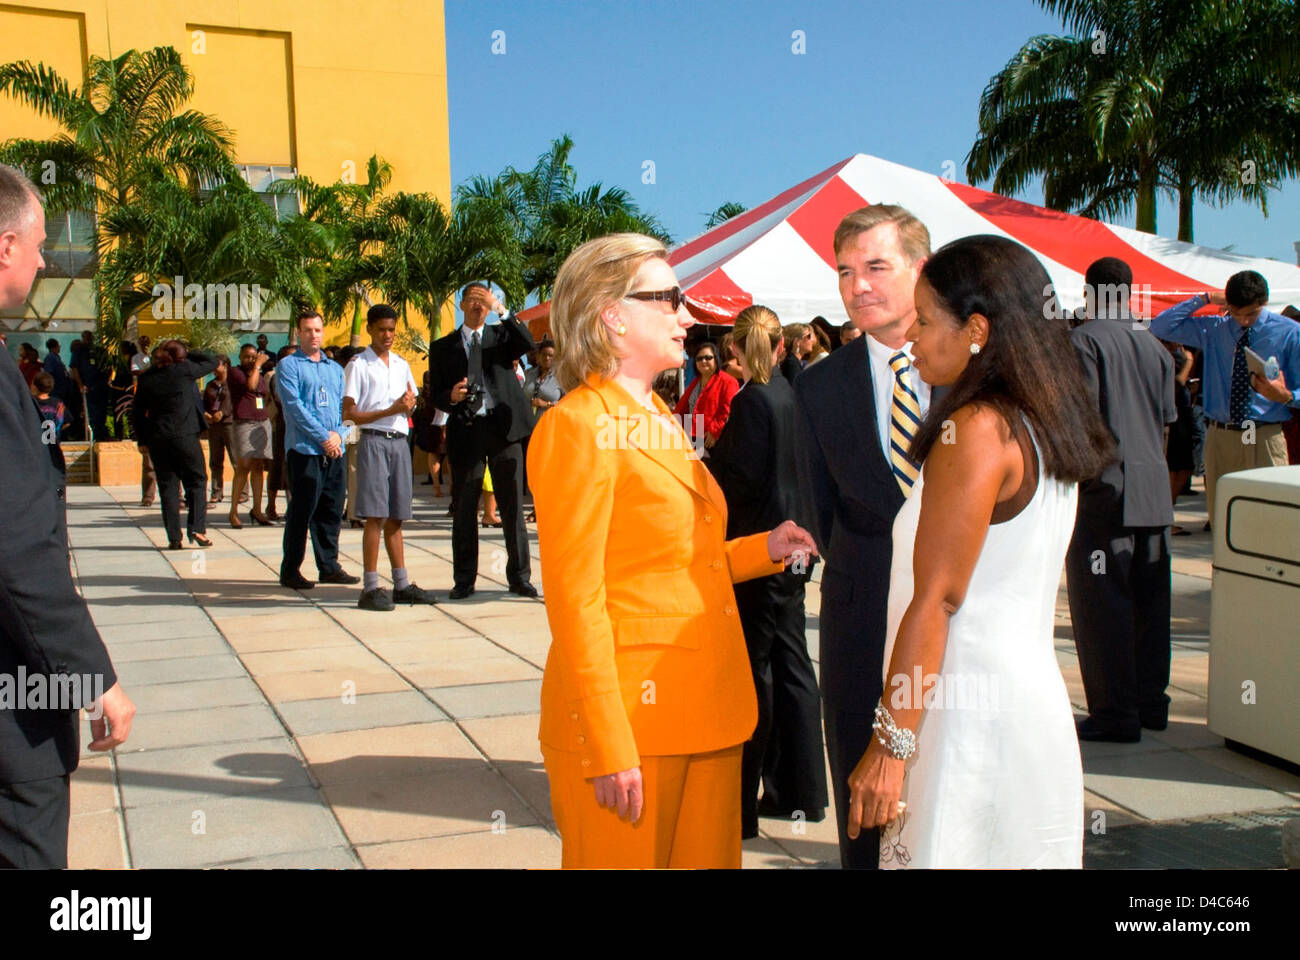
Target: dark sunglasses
(675, 297)
(704, 356)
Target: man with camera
(472, 378)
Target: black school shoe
(338, 576)
(296, 582)
(376, 599)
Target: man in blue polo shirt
(309, 389)
(1245, 411)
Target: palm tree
(551, 216)
(329, 237)
(422, 255)
(724, 213)
(125, 129)
(1145, 96)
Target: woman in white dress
(975, 762)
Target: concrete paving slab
(1171, 784)
(331, 858)
(388, 753)
(322, 684)
(169, 648)
(112, 634)
(333, 715)
(488, 699)
(185, 728)
(95, 841)
(518, 848)
(182, 774)
(195, 694)
(355, 657)
(505, 667)
(232, 828)
(472, 799)
(140, 673)
(91, 785)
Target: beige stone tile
(319, 684)
(455, 798)
(95, 841)
(388, 752)
(1116, 816)
(760, 853)
(1262, 773)
(458, 673)
(528, 848)
(327, 635)
(1186, 707)
(354, 657)
(432, 650)
(506, 738)
(247, 621)
(92, 786)
(1191, 674)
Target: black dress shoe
(1150, 722)
(175, 545)
(524, 590)
(1088, 730)
(296, 582)
(413, 594)
(460, 592)
(338, 575)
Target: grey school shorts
(383, 477)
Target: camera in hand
(473, 397)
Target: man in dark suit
(852, 484)
(472, 378)
(1117, 567)
(46, 634)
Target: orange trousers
(690, 819)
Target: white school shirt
(882, 381)
(374, 385)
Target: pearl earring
(974, 348)
(622, 329)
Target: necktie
(904, 419)
(476, 363)
(1239, 399)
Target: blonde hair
(598, 273)
(912, 233)
(758, 331)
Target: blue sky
(711, 92)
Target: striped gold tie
(904, 419)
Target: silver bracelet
(900, 742)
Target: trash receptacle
(1254, 692)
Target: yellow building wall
(320, 85)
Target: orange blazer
(647, 656)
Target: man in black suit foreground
(852, 406)
(52, 661)
(472, 378)
(1117, 567)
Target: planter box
(117, 462)
(78, 465)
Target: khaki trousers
(1225, 452)
(691, 816)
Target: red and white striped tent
(780, 253)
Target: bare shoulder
(975, 437)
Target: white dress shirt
(882, 381)
(375, 385)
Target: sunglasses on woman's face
(675, 297)
(705, 357)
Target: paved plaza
(285, 729)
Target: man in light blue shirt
(1244, 410)
(309, 389)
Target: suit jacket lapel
(664, 443)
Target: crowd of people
(944, 455)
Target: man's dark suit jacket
(44, 624)
(848, 500)
(753, 460)
(1130, 379)
(503, 344)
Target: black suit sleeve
(42, 617)
(515, 341)
(816, 488)
(739, 458)
(197, 364)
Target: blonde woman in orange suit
(647, 696)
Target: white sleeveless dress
(996, 780)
